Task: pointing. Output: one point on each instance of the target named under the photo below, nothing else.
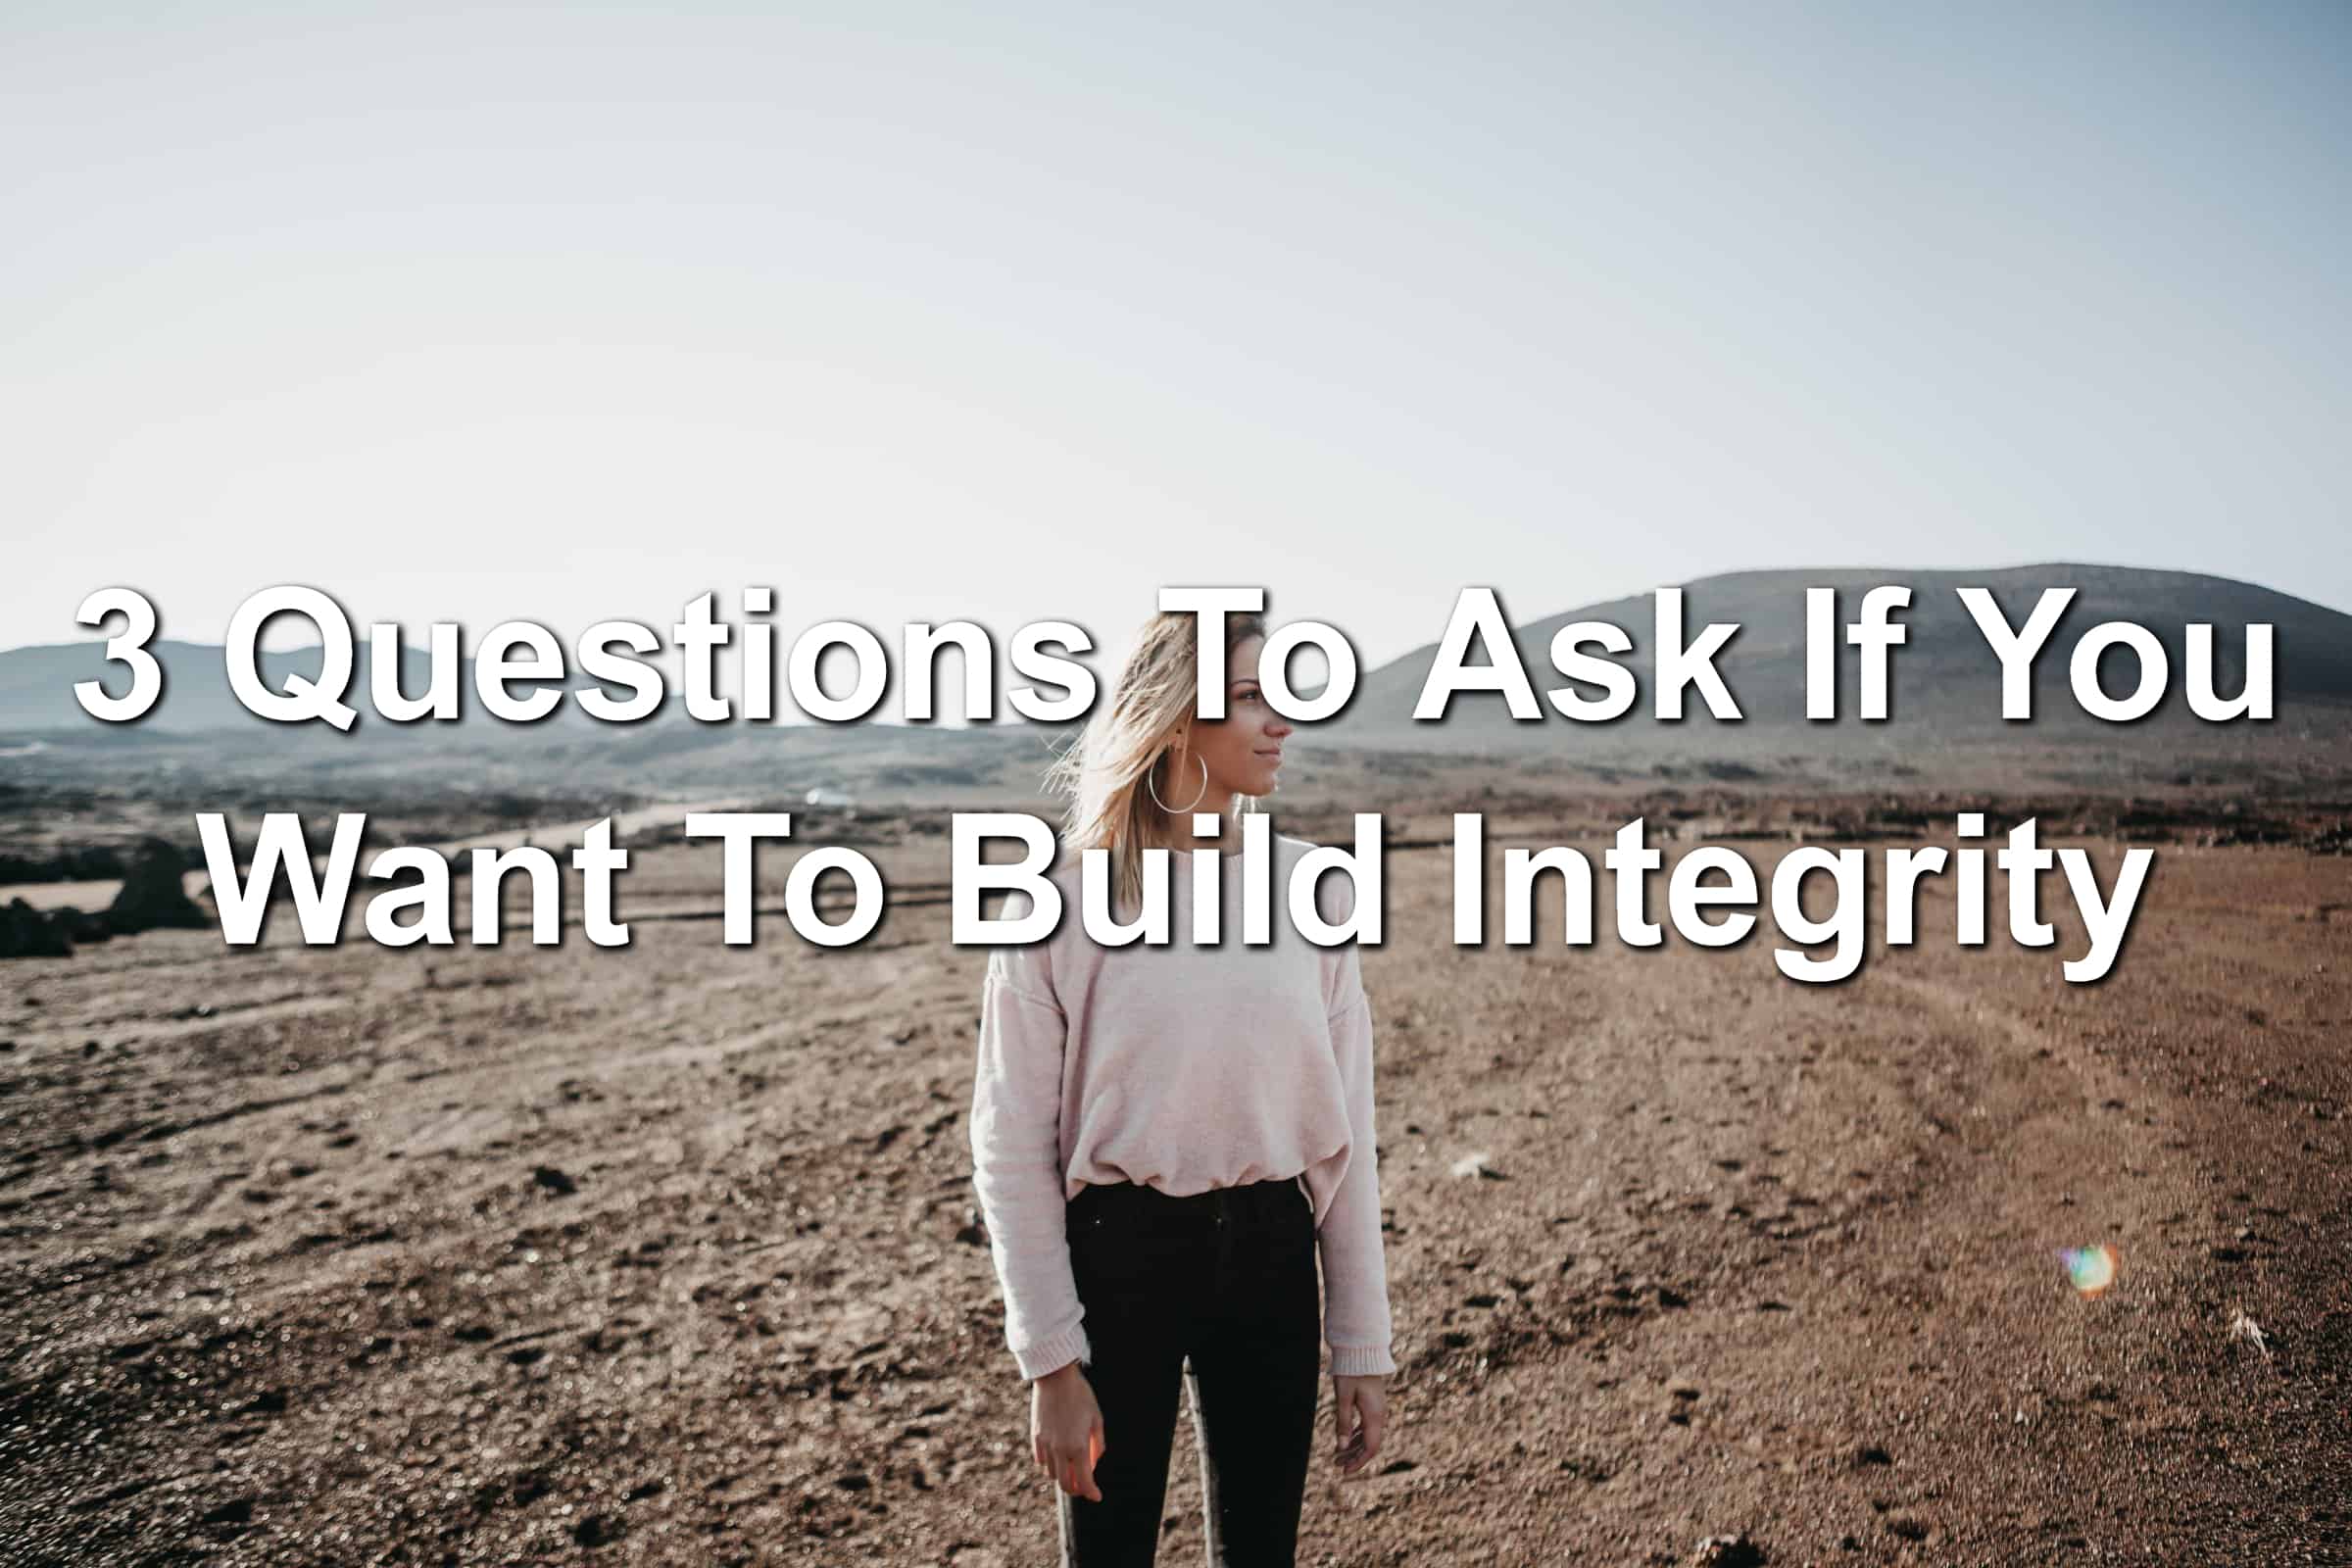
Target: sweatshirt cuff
(1053, 1354)
(1361, 1361)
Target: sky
(1021, 313)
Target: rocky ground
(667, 1254)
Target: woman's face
(1243, 748)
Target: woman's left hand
(1361, 1411)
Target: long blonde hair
(1129, 740)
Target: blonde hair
(1128, 741)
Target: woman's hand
(1065, 1430)
(1360, 1410)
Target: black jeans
(1216, 1291)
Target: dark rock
(153, 895)
(1727, 1551)
(236, 1512)
(80, 926)
(28, 933)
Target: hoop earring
(1196, 800)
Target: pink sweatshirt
(1180, 1067)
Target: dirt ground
(667, 1254)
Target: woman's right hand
(1065, 1430)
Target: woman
(1166, 1138)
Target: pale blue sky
(1020, 313)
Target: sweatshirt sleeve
(1356, 1283)
(1016, 1161)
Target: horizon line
(1896, 577)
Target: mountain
(1946, 711)
(1945, 684)
(37, 693)
(36, 685)
(198, 735)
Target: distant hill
(36, 684)
(1946, 721)
(200, 736)
(36, 694)
(1947, 681)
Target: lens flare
(2090, 1268)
